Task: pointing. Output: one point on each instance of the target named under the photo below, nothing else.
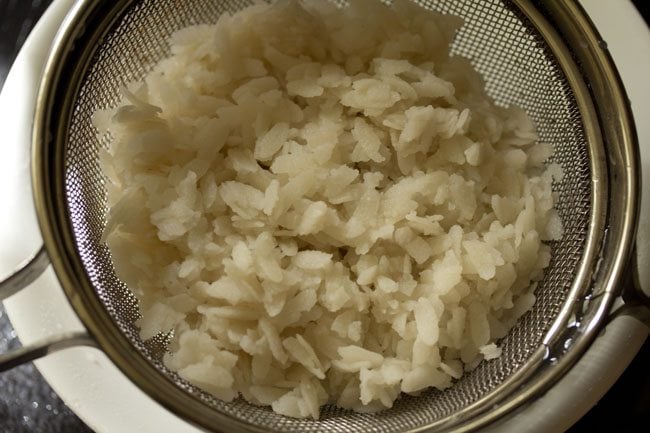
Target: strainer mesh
(519, 69)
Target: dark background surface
(28, 404)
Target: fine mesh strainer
(543, 56)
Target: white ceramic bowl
(108, 402)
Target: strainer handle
(637, 302)
(42, 348)
(26, 274)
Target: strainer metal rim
(69, 59)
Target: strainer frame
(614, 207)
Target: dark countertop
(28, 404)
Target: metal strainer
(543, 56)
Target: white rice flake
(312, 260)
(490, 351)
(271, 142)
(426, 321)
